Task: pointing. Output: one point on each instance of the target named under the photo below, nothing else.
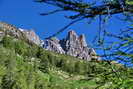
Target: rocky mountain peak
(72, 32)
(72, 35)
(72, 45)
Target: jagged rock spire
(72, 45)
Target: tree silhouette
(89, 9)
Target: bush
(8, 42)
(21, 48)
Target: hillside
(72, 44)
(25, 65)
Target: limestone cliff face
(72, 45)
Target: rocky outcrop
(7, 29)
(31, 36)
(72, 45)
(76, 46)
(53, 45)
(27, 35)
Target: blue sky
(25, 14)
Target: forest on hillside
(28, 66)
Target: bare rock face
(7, 29)
(72, 45)
(53, 45)
(76, 46)
(27, 35)
(82, 40)
(32, 36)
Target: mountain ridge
(72, 45)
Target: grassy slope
(24, 66)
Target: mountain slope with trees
(28, 66)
